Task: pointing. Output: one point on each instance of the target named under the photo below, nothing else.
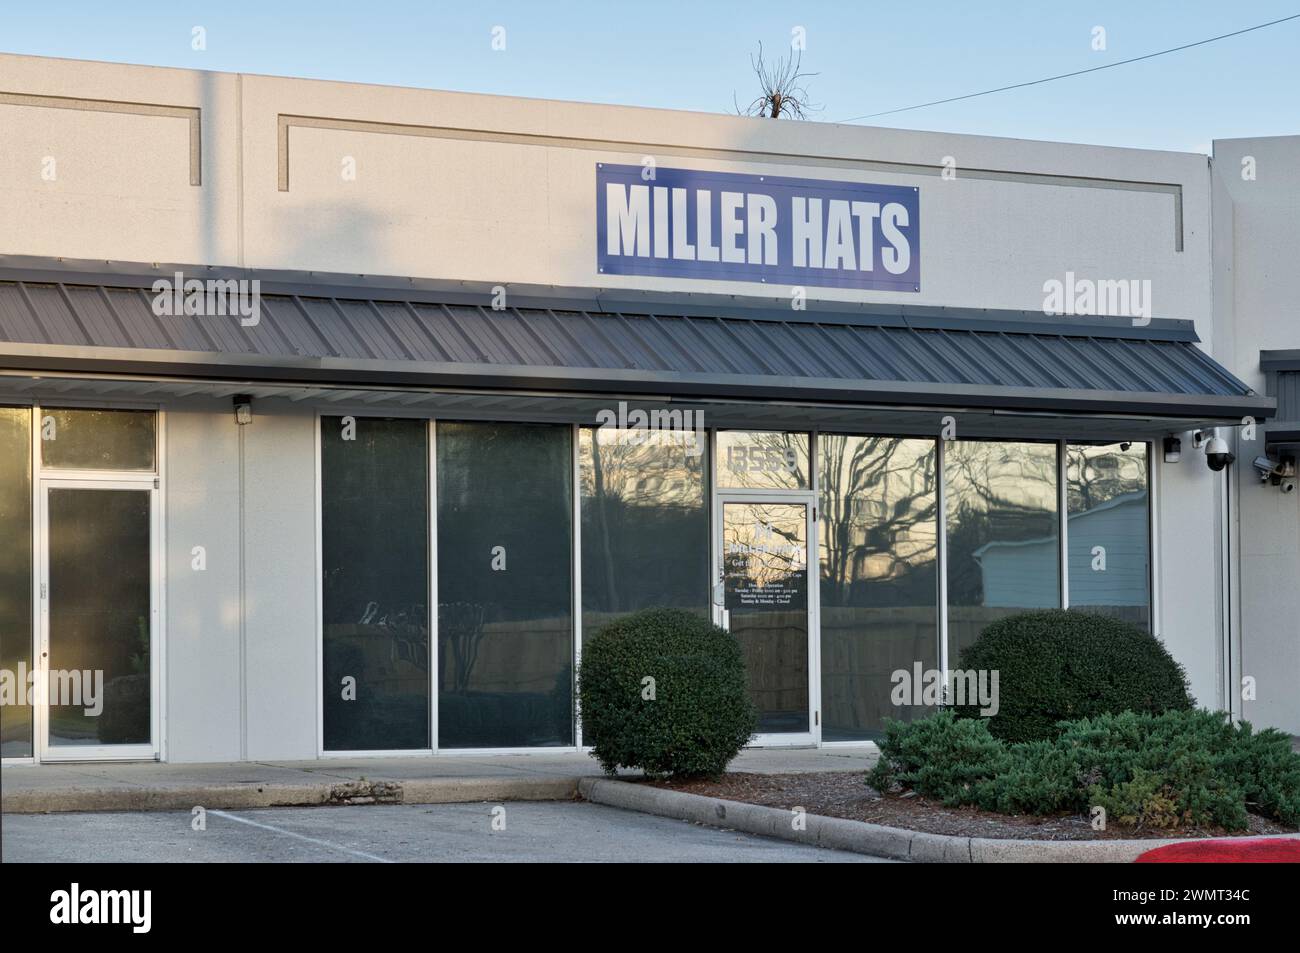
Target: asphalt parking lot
(550, 831)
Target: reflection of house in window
(1012, 572)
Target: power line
(1093, 69)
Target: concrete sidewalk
(103, 786)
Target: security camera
(1287, 486)
(1265, 467)
(1216, 453)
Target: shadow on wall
(340, 238)
(210, 113)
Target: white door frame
(45, 752)
(808, 500)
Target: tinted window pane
(100, 609)
(1109, 531)
(16, 577)
(375, 590)
(505, 585)
(879, 577)
(645, 524)
(1003, 541)
(80, 439)
(762, 459)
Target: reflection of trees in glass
(644, 521)
(782, 459)
(878, 533)
(1109, 514)
(763, 544)
(461, 625)
(878, 519)
(997, 492)
(1099, 474)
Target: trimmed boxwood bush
(701, 714)
(1177, 768)
(1056, 665)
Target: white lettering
(627, 217)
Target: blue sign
(682, 223)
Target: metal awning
(405, 336)
(1282, 369)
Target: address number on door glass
(762, 460)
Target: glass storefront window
(645, 523)
(878, 536)
(1108, 543)
(762, 459)
(1003, 534)
(505, 585)
(15, 580)
(76, 438)
(375, 585)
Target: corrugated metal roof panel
(764, 353)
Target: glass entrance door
(766, 600)
(98, 672)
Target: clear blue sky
(871, 56)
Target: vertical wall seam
(239, 168)
(243, 606)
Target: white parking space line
(302, 837)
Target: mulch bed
(846, 794)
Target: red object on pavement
(1259, 850)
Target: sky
(868, 56)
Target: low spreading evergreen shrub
(1172, 769)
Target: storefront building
(336, 418)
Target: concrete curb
(243, 796)
(858, 836)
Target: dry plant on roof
(782, 93)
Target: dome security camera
(1217, 454)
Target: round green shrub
(1057, 665)
(691, 720)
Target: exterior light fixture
(1173, 449)
(243, 409)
